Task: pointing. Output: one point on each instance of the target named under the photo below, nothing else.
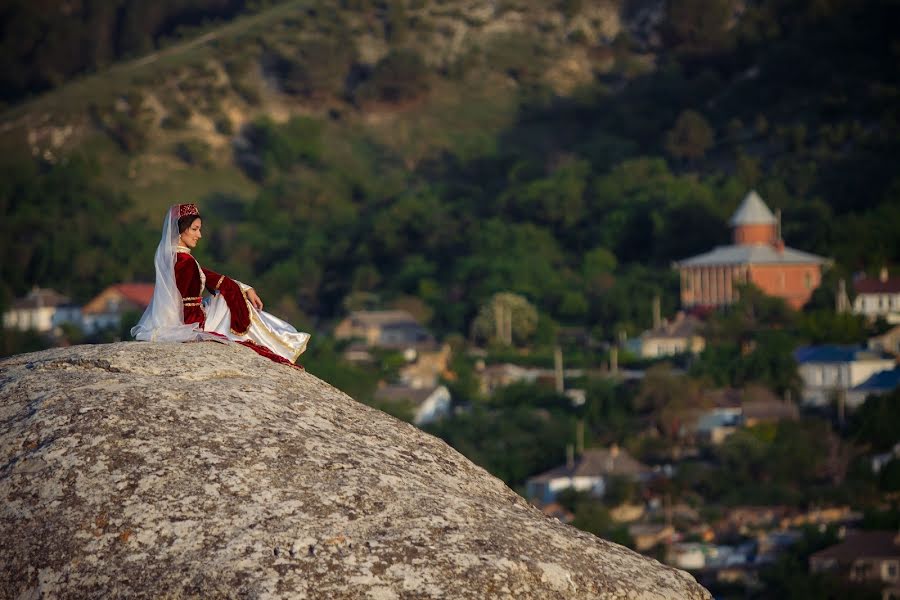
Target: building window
(860, 570)
(807, 279)
(889, 570)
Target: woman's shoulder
(183, 257)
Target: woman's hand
(254, 300)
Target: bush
(400, 76)
(196, 153)
(224, 125)
(269, 147)
(317, 69)
(178, 116)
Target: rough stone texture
(205, 471)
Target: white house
(587, 473)
(41, 310)
(829, 370)
(428, 404)
(878, 297)
(681, 335)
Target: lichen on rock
(205, 471)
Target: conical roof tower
(753, 222)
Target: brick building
(758, 256)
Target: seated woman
(178, 312)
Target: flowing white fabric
(265, 329)
(163, 320)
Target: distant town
(650, 483)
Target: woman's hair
(185, 222)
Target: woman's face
(190, 235)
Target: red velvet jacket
(191, 278)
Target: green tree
(691, 136)
(875, 422)
(506, 318)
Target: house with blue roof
(883, 382)
(758, 256)
(830, 371)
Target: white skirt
(265, 329)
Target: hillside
(369, 152)
(308, 58)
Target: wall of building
(39, 319)
(711, 286)
(873, 305)
(794, 283)
(755, 234)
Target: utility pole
(657, 313)
(558, 370)
(579, 437)
(842, 301)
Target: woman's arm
(237, 302)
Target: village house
(428, 368)
(734, 408)
(864, 556)
(878, 297)
(494, 377)
(679, 336)
(830, 371)
(427, 404)
(389, 329)
(889, 342)
(758, 256)
(648, 535)
(41, 310)
(587, 473)
(883, 382)
(106, 309)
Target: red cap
(187, 209)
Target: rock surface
(205, 471)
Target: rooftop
(379, 318)
(683, 326)
(747, 254)
(596, 462)
(882, 381)
(41, 298)
(835, 354)
(752, 211)
(139, 293)
(862, 544)
(877, 285)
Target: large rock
(203, 470)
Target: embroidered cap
(187, 209)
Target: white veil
(163, 321)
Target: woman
(178, 313)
